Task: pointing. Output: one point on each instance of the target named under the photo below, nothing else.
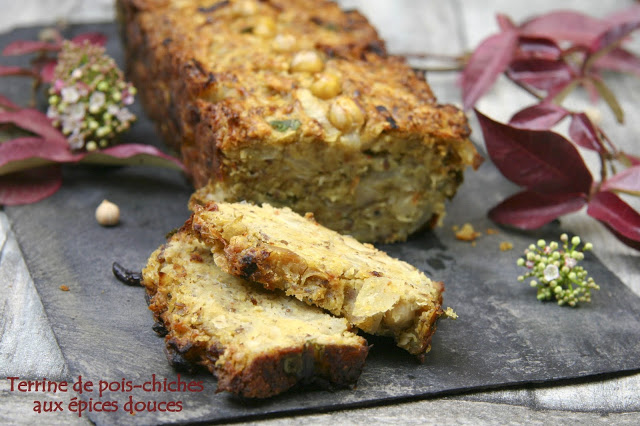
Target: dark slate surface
(503, 337)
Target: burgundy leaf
(6, 103)
(487, 62)
(531, 210)
(542, 74)
(47, 71)
(627, 180)
(619, 60)
(618, 216)
(29, 186)
(613, 35)
(22, 149)
(91, 37)
(538, 47)
(132, 150)
(584, 133)
(10, 70)
(633, 159)
(504, 22)
(541, 116)
(539, 160)
(564, 25)
(22, 47)
(34, 121)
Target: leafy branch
(549, 57)
(88, 108)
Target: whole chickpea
(326, 86)
(345, 114)
(307, 61)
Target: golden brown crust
(296, 103)
(283, 250)
(257, 343)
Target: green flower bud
(102, 86)
(575, 240)
(588, 246)
(91, 146)
(520, 262)
(564, 237)
(53, 100)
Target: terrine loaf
(258, 343)
(283, 250)
(297, 103)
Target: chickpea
(284, 43)
(326, 86)
(264, 27)
(345, 114)
(107, 213)
(307, 61)
(245, 8)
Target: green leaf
(284, 125)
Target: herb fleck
(284, 125)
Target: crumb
(450, 313)
(467, 233)
(492, 231)
(505, 246)
(64, 287)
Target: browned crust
(267, 375)
(174, 85)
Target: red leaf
(564, 25)
(6, 103)
(487, 62)
(22, 47)
(531, 210)
(7, 70)
(133, 149)
(29, 186)
(627, 180)
(91, 37)
(624, 15)
(584, 133)
(539, 160)
(541, 116)
(542, 74)
(619, 60)
(633, 159)
(47, 71)
(614, 34)
(618, 216)
(504, 22)
(34, 121)
(538, 47)
(24, 148)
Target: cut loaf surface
(257, 342)
(283, 250)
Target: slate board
(504, 337)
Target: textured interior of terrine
(258, 343)
(283, 250)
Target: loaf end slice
(283, 250)
(257, 343)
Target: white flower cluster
(556, 273)
(89, 99)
